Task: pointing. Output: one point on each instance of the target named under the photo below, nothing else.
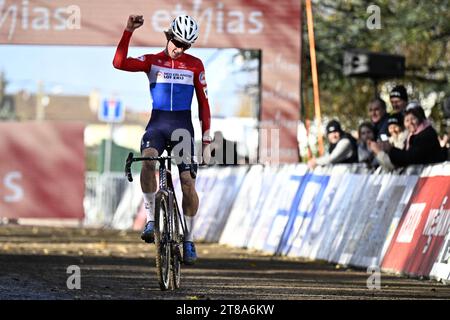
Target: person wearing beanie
(397, 138)
(343, 148)
(397, 132)
(399, 99)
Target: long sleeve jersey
(172, 82)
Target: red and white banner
(42, 170)
(422, 229)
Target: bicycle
(168, 223)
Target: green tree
(419, 30)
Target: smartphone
(384, 137)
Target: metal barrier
(102, 196)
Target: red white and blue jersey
(172, 82)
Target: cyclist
(173, 75)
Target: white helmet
(185, 29)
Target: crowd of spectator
(402, 138)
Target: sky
(78, 70)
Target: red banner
(42, 169)
(422, 229)
(273, 27)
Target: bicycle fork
(174, 240)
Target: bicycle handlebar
(131, 159)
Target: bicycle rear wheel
(163, 247)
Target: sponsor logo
(12, 182)
(181, 76)
(142, 58)
(213, 17)
(438, 223)
(446, 251)
(201, 78)
(411, 222)
(173, 76)
(165, 75)
(205, 90)
(145, 144)
(30, 17)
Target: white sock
(149, 202)
(189, 236)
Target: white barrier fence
(342, 214)
(103, 194)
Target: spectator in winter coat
(342, 147)
(422, 144)
(397, 138)
(366, 134)
(378, 115)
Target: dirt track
(117, 265)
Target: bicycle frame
(165, 179)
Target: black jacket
(381, 127)
(354, 157)
(424, 148)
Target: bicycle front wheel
(163, 247)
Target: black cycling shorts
(171, 129)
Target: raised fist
(134, 22)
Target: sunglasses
(180, 44)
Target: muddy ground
(118, 265)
